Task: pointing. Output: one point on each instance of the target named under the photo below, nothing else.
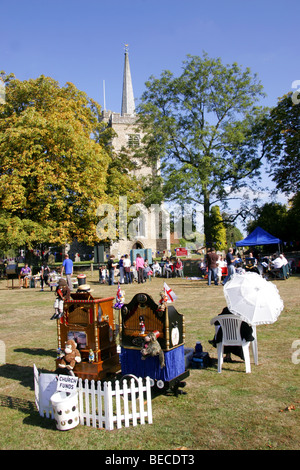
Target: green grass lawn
(232, 410)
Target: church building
(151, 228)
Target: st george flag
(169, 293)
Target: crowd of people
(214, 267)
(218, 270)
(27, 279)
(140, 270)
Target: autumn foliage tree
(218, 230)
(55, 162)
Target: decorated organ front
(90, 322)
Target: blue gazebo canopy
(258, 237)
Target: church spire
(128, 106)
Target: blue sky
(83, 42)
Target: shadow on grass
(200, 284)
(15, 403)
(22, 374)
(213, 365)
(28, 407)
(34, 419)
(37, 351)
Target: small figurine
(120, 298)
(59, 353)
(162, 302)
(91, 356)
(142, 325)
(62, 293)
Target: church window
(133, 140)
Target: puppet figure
(62, 293)
(153, 348)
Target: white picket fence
(107, 405)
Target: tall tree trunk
(207, 220)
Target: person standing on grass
(111, 270)
(230, 265)
(121, 269)
(127, 266)
(45, 272)
(140, 268)
(133, 272)
(212, 259)
(68, 267)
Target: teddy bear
(70, 356)
(153, 348)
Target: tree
(218, 230)
(233, 234)
(293, 218)
(281, 221)
(204, 126)
(55, 163)
(271, 217)
(282, 144)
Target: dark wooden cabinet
(90, 322)
(168, 322)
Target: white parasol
(253, 298)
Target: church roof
(128, 105)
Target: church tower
(128, 105)
(124, 124)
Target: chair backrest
(231, 329)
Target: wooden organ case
(169, 323)
(90, 322)
(140, 317)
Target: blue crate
(200, 360)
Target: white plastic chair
(231, 336)
(254, 346)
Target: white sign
(66, 383)
(47, 387)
